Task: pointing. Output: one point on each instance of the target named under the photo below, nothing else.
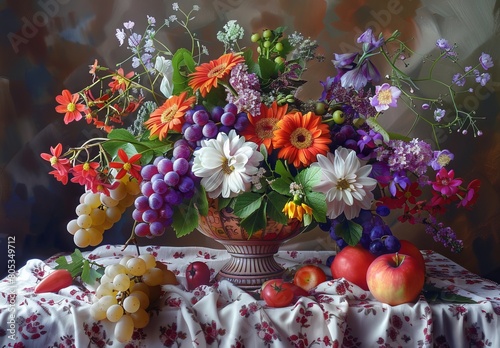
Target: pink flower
(446, 183)
(385, 96)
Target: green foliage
(88, 271)
(275, 204)
(123, 139)
(349, 231)
(183, 64)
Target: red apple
(408, 248)
(351, 263)
(309, 276)
(395, 278)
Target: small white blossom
(232, 33)
(151, 21)
(128, 25)
(175, 6)
(120, 35)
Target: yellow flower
(296, 211)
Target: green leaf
(267, 68)
(247, 203)
(88, 271)
(201, 201)
(122, 135)
(255, 221)
(90, 275)
(275, 204)
(283, 171)
(185, 219)
(282, 186)
(183, 64)
(373, 123)
(396, 136)
(309, 177)
(317, 201)
(349, 231)
(433, 293)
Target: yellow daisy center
(343, 184)
(266, 127)
(443, 160)
(301, 138)
(71, 107)
(226, 168)
(217, 71)
(127, 166)
(385, 97)
(86, 166)
(169, 113)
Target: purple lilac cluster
(414, 156)
(443, 234)
(247, 88)
(357, 102)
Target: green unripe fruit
(255, 37)
(267, 44)
(279, 47)
(267, 34)
(320, 109)
(279, 60)
(338, 117)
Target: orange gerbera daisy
(261, 128)
(207, 75)
(70, 107)
(301, 137)
(170, 115)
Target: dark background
(47, 45)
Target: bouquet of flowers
(182, 133)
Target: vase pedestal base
(251, 264)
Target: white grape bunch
(126, 290)
(98, 212)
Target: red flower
(120, 81)
(83, 173)
(446, 183)
(471, 195)
(61, 164)
(62, 177)
(70, 107)
(97, 186)
(128, 166)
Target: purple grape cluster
(200, 124)
(166, 183)
(377, 237)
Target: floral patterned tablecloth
(337, 314)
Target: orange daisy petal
(169, 116)
(207, 75)
(301, 138)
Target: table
(337, 314)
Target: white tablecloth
(337, 314)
